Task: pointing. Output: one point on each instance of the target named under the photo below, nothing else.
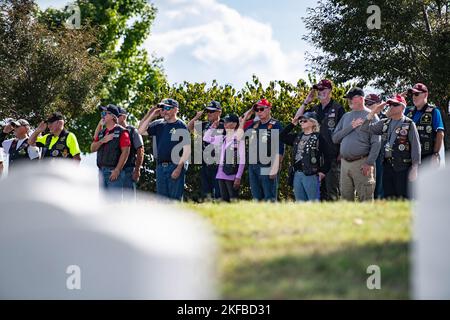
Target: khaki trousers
(352, 180)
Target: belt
(355, 159)
(164, 163)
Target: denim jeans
(129, 184)
(306, 188)
(165, 185)
(209, 183)
(261, 186)
(116, 185)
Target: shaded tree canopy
(43, 69)
(412, 44)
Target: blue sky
(228, 40)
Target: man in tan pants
(359, 151)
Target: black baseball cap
(309, 115)
(213, 106)
(111, 108)
(231, 118)
(168, 102)
(55, 116)
(122, 111)
(353, 92)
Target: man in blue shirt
(264, 163)
(429, 123)
(173, 147)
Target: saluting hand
(310, 96)
(42, 126)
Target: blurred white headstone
(61, 239)
(431, 251)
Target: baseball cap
(231, 118)
(397, 99)
(55, 116)
(168, 102)
(111, 108)
(309, 116)
(323, 84)
(353, 92)
(372, 99)
(213, 106)
(122, 111)
(20, 122)
(263, 103)
(418, 87)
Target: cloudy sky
(228, 40)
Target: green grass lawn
(310, 251)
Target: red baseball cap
(418, 87)
(397, 99)
(323, 84)
(263, 103)
(372, 99)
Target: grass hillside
(310, 250)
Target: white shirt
(33, 152)
(1, 155)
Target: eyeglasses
(260, 109)
(416, 94)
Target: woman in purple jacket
(232, 156)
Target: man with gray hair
(359, 150)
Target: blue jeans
(261, 186)
(165, 185)
(128, 183)
(116, 185)
(209, 183)
(306, 188)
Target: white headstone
(61, 239)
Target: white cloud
(202, 40)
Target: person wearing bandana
(401, 152)
(59, 143)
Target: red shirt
(124, 138)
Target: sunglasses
(104, 113)
(303, 121)
(260, 109)
(167, 108)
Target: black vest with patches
(109, 153)
(19, 154)
(267, 139)
(328, 123)
(401, 150)
(309, 164)
(59, 149)
(425, 128)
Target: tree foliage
(44, 69)
(412, 45)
